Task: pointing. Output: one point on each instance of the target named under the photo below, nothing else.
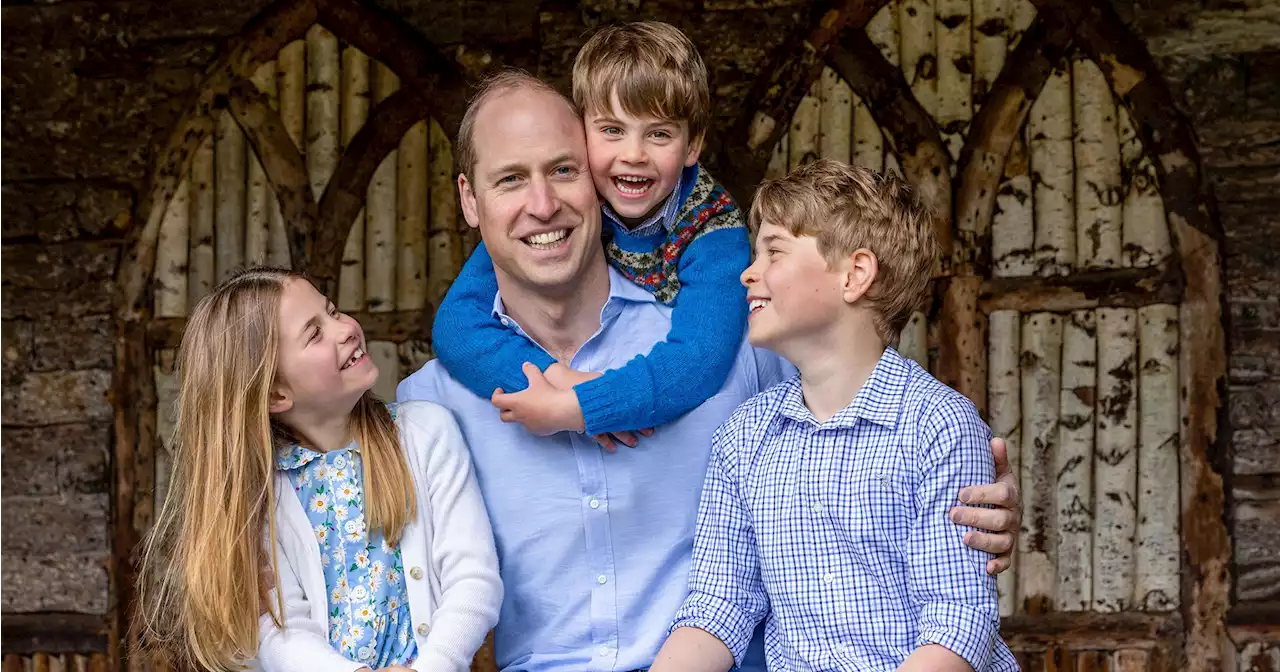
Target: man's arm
(1001, 522)
(948, 580)
(726, 593)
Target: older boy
(824, 509)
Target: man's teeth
(547, 239)
(628, 184)
(355, 357)
(757, 304)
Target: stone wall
(90, 88)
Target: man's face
(530, 192)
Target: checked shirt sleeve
(726, 594)
(959, 608)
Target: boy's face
(794, 296)
(636, 161)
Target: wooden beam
(397, 327)
(282, 164)
(1091, 630)
(1128, 288)
(789, 74)
(1168, 139)
(994, 130)
(348, 188)
(908, 128)
(54, 633)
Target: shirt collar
(620, 290)
(666, 216)
(293, 456)
(878, 401)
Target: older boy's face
(793, 295)
(530, 193)
(636, 161)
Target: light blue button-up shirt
(594, 547)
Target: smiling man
(594, 547)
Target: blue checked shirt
(836, 532)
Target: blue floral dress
(369, 618)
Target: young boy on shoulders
(669, 227)
(824, 509)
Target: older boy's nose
(749, 276)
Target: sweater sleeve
(302, 645)
(693, 362)
(462, 547)
(473, 345)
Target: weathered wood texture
(94, 93)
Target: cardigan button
(416, 573)
(423, 629)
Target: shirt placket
(600, 557)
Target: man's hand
(1002, 522)
(542, 408)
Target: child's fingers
(627, 438)
(605, 442)
(646, 432)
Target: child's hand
(609, 441)
(543, 408)
(565, 378)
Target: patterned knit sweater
(693, 266)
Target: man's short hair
(503, 81)
(849, 207)
(654, 68)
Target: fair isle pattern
(708, 208)
(835, 533)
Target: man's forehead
(526, 123)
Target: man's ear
(695, 150)
(281, 399)
(860, 271)
(467, 197)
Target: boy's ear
(861, 269)
(467, 198)
(695, 150)
(281, 399)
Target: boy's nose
(748, 276)
(632, 151)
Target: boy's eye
(611, 130)
(662, 135)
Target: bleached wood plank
(200, 261)
(914, 341)
(804, 130)
(1145, 227)
(955, 68)
(1158, 551)
(836, 123)
(1115, 460)
(411, 219)
(1097, 160)
(1004, 389)
(1053, 189)
(916, 48)
(380, 232)
(354, 111)
(229, 187)
(1074, 462)
(1041, 370)
(172, 249)
(1013, 222)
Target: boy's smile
(793, 294)
(636, 160)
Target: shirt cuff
(967, 632)
(721, 618)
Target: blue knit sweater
(694, 266)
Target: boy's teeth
(757, 304)
(632, 185)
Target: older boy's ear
(467, 197)
(695, 150)
(861, 269)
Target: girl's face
(323, 367)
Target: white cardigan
(451, 567)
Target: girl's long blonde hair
(203, 581)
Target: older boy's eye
(611, 130)
(662, 135)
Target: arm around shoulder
(462, 547)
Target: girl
(371, 516)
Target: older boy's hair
(654, 68)
(848, 207)
(503, 81)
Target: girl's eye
(314, 335)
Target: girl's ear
(281, 399)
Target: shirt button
(506, 322)
(595, 503)
(817, 507)
(416, 572)
(602, 579)
(423, 629)
(829, 577)
(603, 651)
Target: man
(594, 547)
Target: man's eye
(508, 180)
(564, 171)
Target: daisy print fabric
(369, 618)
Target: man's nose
(543, 201)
